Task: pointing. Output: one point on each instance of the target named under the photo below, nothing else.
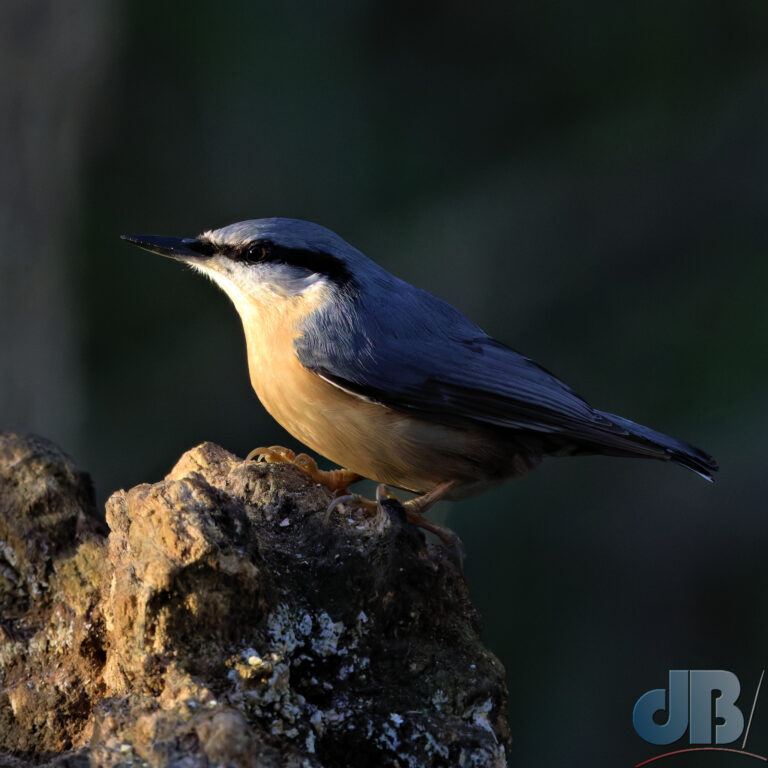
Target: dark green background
(588, 181)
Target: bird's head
(268, 261)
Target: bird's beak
(181, 248)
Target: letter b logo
(696, 698)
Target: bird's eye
(258, 252)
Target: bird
(389, 381)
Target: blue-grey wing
(406, 349)
(413, 352)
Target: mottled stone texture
(225, 620)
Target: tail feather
(666, 447)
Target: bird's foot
(416, 508)
(336, 480)
(358, 501)
(414, 511)
(275, 454)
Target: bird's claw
(335, 480)
(275, 454)
(358, 501)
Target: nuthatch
(388, 381)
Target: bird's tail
(657, 445)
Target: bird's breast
(320, 415)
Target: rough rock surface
(225, 621)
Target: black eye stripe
(313, 261)
(265, 251)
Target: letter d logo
(656, 701)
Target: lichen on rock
(225, 620)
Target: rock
(226, 620)
(52, 649)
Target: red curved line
(702, 749)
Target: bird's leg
(336, 480)
(414, 510)
(425, 502)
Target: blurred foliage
(588, 181)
